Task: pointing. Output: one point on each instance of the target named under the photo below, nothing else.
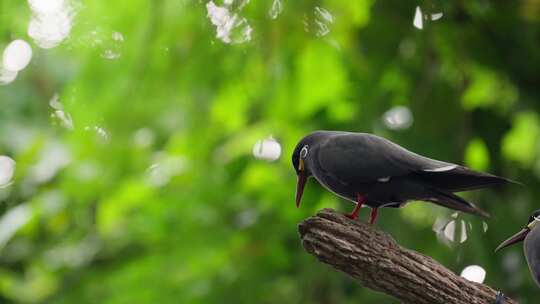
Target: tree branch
(376, 261)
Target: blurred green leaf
(520, 144)
(321, 78)
(477, 155)
(488, 88)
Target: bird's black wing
(363, 158)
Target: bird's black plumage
(383, 173)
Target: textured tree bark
(376, 261)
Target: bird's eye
(303, 152)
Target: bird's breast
(335, 186)
(350, 191)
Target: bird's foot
(373, 216)
(359, 202)
(352, 215)
(499, 298)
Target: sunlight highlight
(322, 20)
(7, 76)
(474, 273)
(115, 45)
(276, 9)
(12, 221)
(17, 55)
(7, 170)
(398, 118)
(53, 157)
(418, 20)
(51, 22)
(164, 168)
(420, 17)
(62, 117)
(230, 27)
(267, 149)
(144, 137)
(319, 22)
(451, 231)
(46, 6)
(436, 16)
(99, 131)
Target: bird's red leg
(359, 202)
(373, 215)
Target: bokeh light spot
(267, 149)
(474, 273)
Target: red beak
(300, 187)
(520, 236)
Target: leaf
(477, 155)
(520, 144)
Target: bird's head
(533, 223)
(301, 160)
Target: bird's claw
(499, 298)
(352, 216)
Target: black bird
(369, 170)
(530, 235)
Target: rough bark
(376, 261)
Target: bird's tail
(452, 201)
(463, 179)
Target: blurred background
(145, 145)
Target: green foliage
(488, 88)
(319, 64)
(521, 142)
(154, 196)
(477, 155)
